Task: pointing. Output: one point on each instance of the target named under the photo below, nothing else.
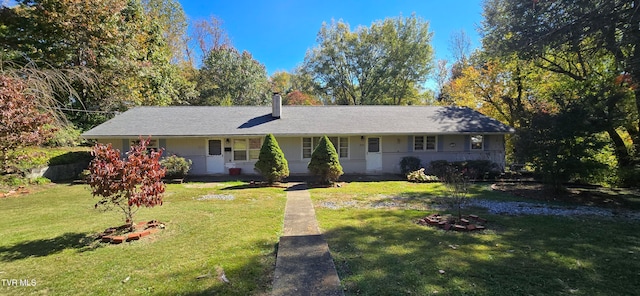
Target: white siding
(394, 148)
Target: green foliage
(68, 136)
(173, 20)
(121, 46)
(272, 164)
(34, 157)
(594, 65)
(325, 162)
(176, 167)
(438, 167)
(409, 164)
(385, 63)
(420, 177)
(70, 157)
(14, 180)
(228, 77)
(473, 169)
(561, 147)
(629, 176)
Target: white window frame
(343, 146)
(424, 142)
(250, 154)
(474, 147)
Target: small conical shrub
(325, 162)
(271, 163)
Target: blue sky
(278, 33)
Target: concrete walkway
(304, 265)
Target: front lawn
(380, 250)
(47, 238)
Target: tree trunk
(622, 154)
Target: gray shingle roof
(192, 121)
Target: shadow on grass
(255, 185)
(385, 253)
(253, 277)
(44, 247)
(297, 187)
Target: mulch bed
(468, 223)
(118, 235)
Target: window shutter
(485, 141)
(440, 143)
(125, 146)
(410, 144)
(162, 143)
(467, 143)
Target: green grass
(384, 252)
(48, 236)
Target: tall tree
(592, 42)
(296, 89)
(281, 82)
(228, 77)
(500, 88)
(460, 46)
(382, 64)
(116, 39)
(173, 21)
(209, 35)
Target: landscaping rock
(526, 208)
(142, 229)
(217, 197)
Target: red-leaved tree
(22, 123)
(127, 183)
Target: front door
(374, 155)
(215, 156)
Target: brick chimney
(276, 105)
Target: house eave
(230, 135)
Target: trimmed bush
(272, 164)
(479, 169)
(176, 167)
(473, 169)
(439, 167)
(409, 164)
(325, 162)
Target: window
(215, 147)
(373, 145)
(340, 143)
(422, 143)
(246, 149)
(152, 146)
(477, 142)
